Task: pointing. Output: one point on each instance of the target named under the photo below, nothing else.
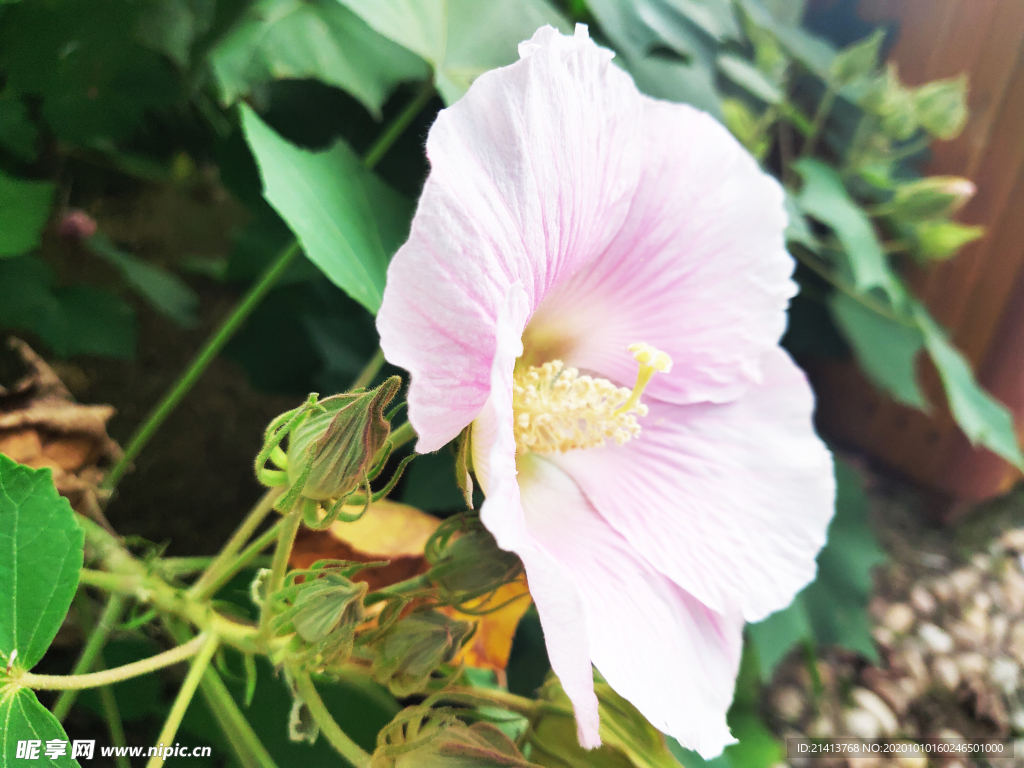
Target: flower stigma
(556, 409)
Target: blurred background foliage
(242, 125)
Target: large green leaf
(24, 209)
(982, 418)
(348, 221)
(832, 610)
(886, 349)
(824, 198)
(72, 320)
(23, 719)
(460, 39)
(40, 557)
(319, 39)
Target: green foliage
(459, 39)
(321, 39)
(832, 610)
(348, 221)
(40, 557)
(628, 740)
(72, 320)
(24, 719)
(24, 209)
(163, 290)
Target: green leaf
(168, 294)
(17, 132)
(797, 229)
(983, 419)
(886, 349)
(832, 610)
(348, 221)
(24, 209)
(40, 557)
(72, 320)
(460, 39)
(25, 719)
(172, 26)
(749, 77)
(320, 39)
(813, 52)
(824, 198)
(628, 740)
(858, 60)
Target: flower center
(557, 409)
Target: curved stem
(252, 521)
(200, 363)
(402, 435)
(208, 646)
(820, 116)
(97, 639)
(115, 675)
(279, 567)
(338, 738)
(247, 556)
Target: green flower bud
(471, 564)
(334, 448)
(935, 197)
(941, 240)
(942, 106)
(413, 648)
(858, 60)
(450, 745)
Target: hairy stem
(208, 646)
(279, 566)
(200, 363)
(246, 557)
(398, 125)
(223, 561)
(328, 726)
(402, 435)
(115, 675)
(114, 725)
(93, 647)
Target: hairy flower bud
(470, 564)
(934, 197)
(413, 648)
(335, 447)
(448, 745)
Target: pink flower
(571, 224)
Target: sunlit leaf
(25, 719)
(342, 214)
(460, 39)
(983, 419)
(886, 349)
(749, 77)
(824, 198)
(40, 557)
(319, 39)
(24, 209)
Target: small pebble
(922, 600)
(788, 702)
(899, 618)
(965, 581)
(936, 639)
(872, 702)
(943, 590)
(862, 724)
(1005, 673)
(972, 663)
(946, 671)
(1013, 540)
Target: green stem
(114, 726)
(173, 567)
(246, 557)
(372, 368)
(328, 726)
(196, 671)
(200, 363)
(402, 435)
(97, 639)
(820, 116)
(243, 739)
(223, 561)
(115, 675)
(398, 125)
(279, 566)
